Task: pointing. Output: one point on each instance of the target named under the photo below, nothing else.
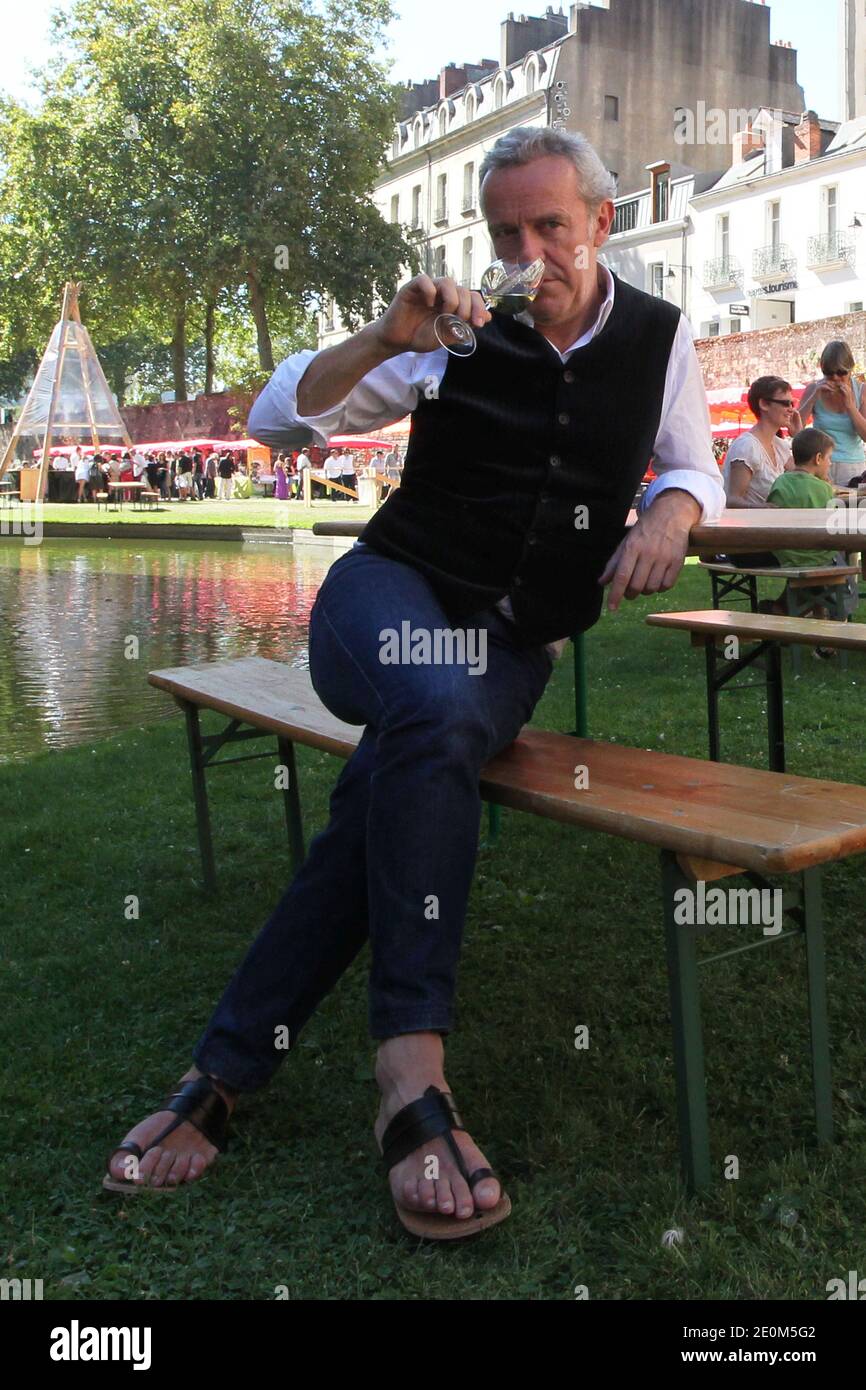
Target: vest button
(564, 418)
(555, 460)
(568, 377)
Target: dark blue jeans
(396, 860)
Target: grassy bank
(257, 511)
(564, 929)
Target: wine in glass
(509, 286)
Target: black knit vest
(515, 443)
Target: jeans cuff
(387, 1023)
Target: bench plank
(833, 572)
(764, 627)
(765, 821)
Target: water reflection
(68, 608)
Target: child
(806, 485)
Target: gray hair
(525, 143)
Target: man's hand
(407, 324)
(650, 558)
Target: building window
(662, 197)
(395, 208)
(530, 79)
(723, 236)
(439, 269)
(855, 308)
(499, 94)
(416, 205)
(442, 198)
(330, 310)
(774, 224)
(611, 108)
(468, 204)
(656, 274)
(443, 122)
(830, 209)
(470, 107)
(418, 132)
(466, 278)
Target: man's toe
(163, 1167)
(178, 1171)
(486, 1193)
(427, 1194)
(444, 1197)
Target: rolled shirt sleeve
(384, 395)
(683, 455)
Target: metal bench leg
(199, 791)
(687, 1040)
(292, 802)
(713, 702)
(775, 707)
(818, 1026)
(794, 610)
(494, 825)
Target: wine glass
(509, 286)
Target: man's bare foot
(405, 1067)
(182, 1158)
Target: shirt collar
(608, 285)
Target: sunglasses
(789, 405)
(841, 372)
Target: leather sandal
(198, 1103)
(435, 1116)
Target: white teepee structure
(70, 396)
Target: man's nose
(529, 245)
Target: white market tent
(70, 396)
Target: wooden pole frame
(69, 291)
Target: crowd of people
(340, 468)
(181, 474)
(796, 455)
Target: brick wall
(207, 417)
(791, 352)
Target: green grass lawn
(564, 929)
(256, 511)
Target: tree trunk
(178, 355)
(117, 382)
(209, 323)
(260, 317)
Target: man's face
(536, 210)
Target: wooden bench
(805, 587)
(709, 820)
(712, 628)
(102, 500)
(8, 496)
(148, 501)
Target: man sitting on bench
(522, 465)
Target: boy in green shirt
(806, 485)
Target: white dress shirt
(683, 452)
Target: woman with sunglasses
(836, 405)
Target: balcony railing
(773, 262)
(441, 213)
(468, 203)
(625, 217)
(834, 249)
(723, 273)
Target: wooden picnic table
(738, 530)
(118, 487)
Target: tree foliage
(198, 165)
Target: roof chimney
(807, 138)
(451, 79)
(746, 142)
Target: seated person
(806, 485)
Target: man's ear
(603, 222)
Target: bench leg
(494, 825)
(292, 802)
(775, 707)
(687, 1038)
(199, 791)
(713, 702)
(813, 924)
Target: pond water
(68, 608)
